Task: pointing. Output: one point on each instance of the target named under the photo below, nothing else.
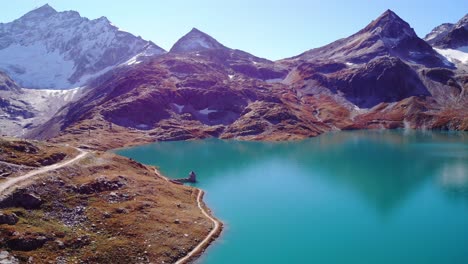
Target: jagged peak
(196, 31)
(196, 40)
(42, 11)
(390, 25)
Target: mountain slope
(75, 49)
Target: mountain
(388, 35)
(384, 76)
(381, 63)
(211, 92)
(75, 49)
(196, 40)
(451, 41)
(450, 36)
(438, 33)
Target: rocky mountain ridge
(384, 76)
(75, 49)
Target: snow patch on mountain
(39, 104)
(454, 55)
(34, 66)
(207, 111)
(61, 50)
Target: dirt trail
(203, 244)
(9, 183)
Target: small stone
(107, 215)
(177, 221)
(121, 210)
(60, 244)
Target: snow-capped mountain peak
(60, 50)
(196, 40)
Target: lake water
(345, 197)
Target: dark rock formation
(102, 184)
(9, 219)
(22, 198)
(26, 242)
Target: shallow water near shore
(344, 197)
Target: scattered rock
(102, 184)
(9, 219)
(6, 258)
(79, 242)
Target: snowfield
(42, 103)
(453, 55)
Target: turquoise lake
(344, 197)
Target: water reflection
(384, 167)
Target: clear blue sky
(272, 29)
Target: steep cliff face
(60, 50)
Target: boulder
(22, 198)
(26, 243)
(9, 219)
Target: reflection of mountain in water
(383, 167)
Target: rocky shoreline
(101, 209)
